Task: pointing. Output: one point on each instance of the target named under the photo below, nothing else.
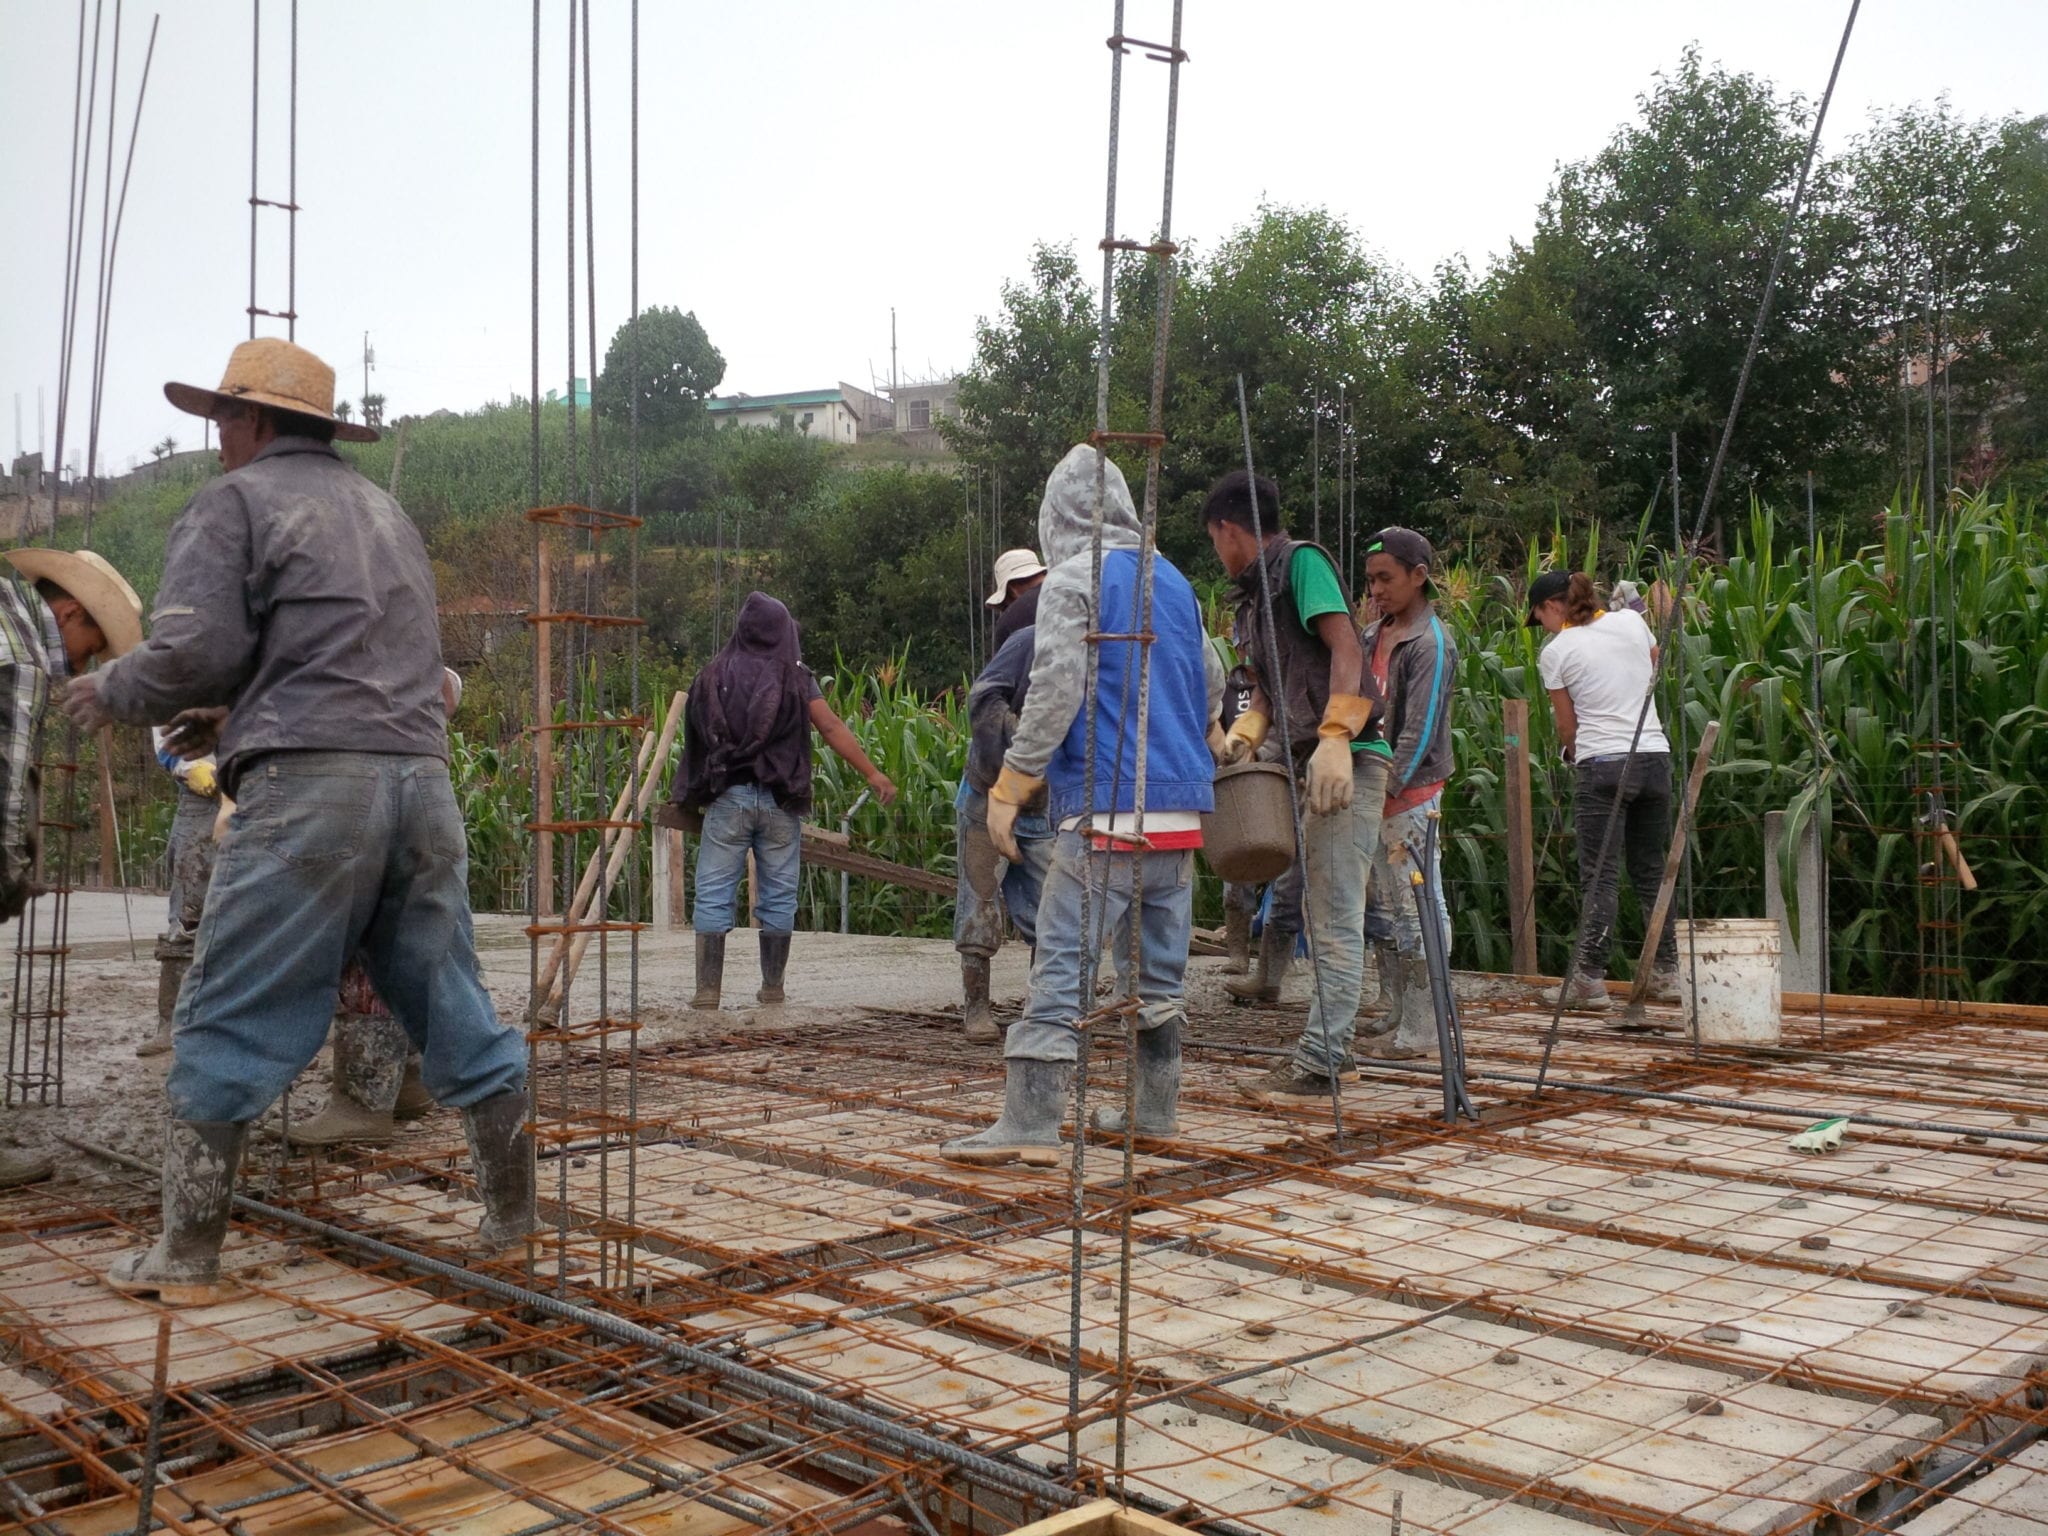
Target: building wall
(832, 422)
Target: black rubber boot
(975, 1013)
(170, 979)
(1237, 941)
(1028, 1132)
(501, 1155)
(710, 970)
(369, 1066)
(1276, 954)
(774, 961)
(182, 1268)
(1158, 1069)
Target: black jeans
(1640, 845)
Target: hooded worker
(1142, 874)
(59, 611)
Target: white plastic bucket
(1728, 976)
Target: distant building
(825, 414)
(919, 407)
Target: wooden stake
(1521, 838)
(1672, 860)
(678, 909)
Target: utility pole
(369, 358)
(892, 352)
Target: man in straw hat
(298, 593)
(58, 610)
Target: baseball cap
(1406, 546)
(1013, 565)
(1545, 587)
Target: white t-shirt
(1605, 667)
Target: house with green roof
(828, 415)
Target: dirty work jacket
(1420, 673)
(300, 594)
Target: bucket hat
(1013, 565)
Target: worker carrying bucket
(301, 594)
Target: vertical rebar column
(42, 945)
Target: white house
(825, 414)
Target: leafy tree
(678, 370)
(343, 411)
(373, 410)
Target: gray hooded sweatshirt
(1066, 604)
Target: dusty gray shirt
(300, 594)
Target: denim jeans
(1338, 850)
(1403, 836)
(989, 884)
(331, 854)
(1641, 844)
(191, 861)
(1049, 1029)
(746, 818)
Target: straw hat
(100, 589)
(279, 374)
(1013, 565)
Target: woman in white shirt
(1598, 667)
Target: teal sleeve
(1313, 580)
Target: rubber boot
(170, 978)
(1028, 1132)
(1387, 962)
(1158, 1069)
(1415, 1036)
(1276, 954)
(1237, 941)
(980, 1022)
(501, 1155)
(414, 1102)
(369, 1065)
(774, 960)
(710, 970)
(182, 1267)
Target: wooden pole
(1672, 859)
(678, 909)
(1521, 839)
(543, 737)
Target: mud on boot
(501, 1156)
(1663, 984)
(1387, 963)
(1415, 1036)
(414, 1102)
(774, 961)
(182, 1267)
(369, 1066)
(977, 1019)
(710, 970)
(1585, 994)
(170, 979)
(1237, 941)
(1028, 1132)
(1276, 954)
(1158, 1086)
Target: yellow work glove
(201, 779)
(1010, 793)
(1329, 766)
(1245, 736)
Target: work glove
(221, 818)
(1010, 793)
(1329, 767)
(1219, 744)
(1247, 733)
(201, 779)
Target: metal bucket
(1249, 837)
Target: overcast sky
(806, 166)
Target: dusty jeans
(1640, 844)
(1402, 839)
(331, 854)
(1339, 849)
(989, 884)
(191, 860)
(746, 819)
(1049, 1029)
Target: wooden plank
(1104, 1517)
(1673, 857)
(827, 853)
(1521, 838)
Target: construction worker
(59, 610)
(1414, 663)
(989, 884)
(300, 594)
(1144, 891)
(1019, 576)
(1314, 661)
(747, 771)
(190, 857)
(1597, 666)
(376, 1081)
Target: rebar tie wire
(1672, 619)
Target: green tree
(678, 370)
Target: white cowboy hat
(1013, 565)
(276, 373)
(100, 589)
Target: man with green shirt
(1315, 661)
